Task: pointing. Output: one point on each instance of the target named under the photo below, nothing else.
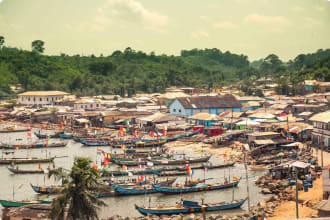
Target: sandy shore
(287, 210)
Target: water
(117, 205)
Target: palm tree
(77, 197)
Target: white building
(40, 97)
(87, 104)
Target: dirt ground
(287, 210)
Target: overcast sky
(255, 28)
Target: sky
(255, 28)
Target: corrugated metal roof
(226, 101)
(321, 117)
(43, 93)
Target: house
(297, 109)
(188, 106)
(324, 86)
(309, 84)
(213, 131)
(326, 182)
(321, 129)
(204, 119)
(252, 105)
(262, 136)
(87, 104)
(40, 98)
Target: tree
(2, 40)
(79, 193)
(38, 46)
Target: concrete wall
(38, 100)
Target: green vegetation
(78, 192)
(128, 72)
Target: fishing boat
(13, 129)
(190, 207)
(44, 189)
(181, 161)
(135, 190)
(208, 166)
(141, 144)
(43, 136)
(196, 188)
(12, 203)
(33, 146)
(20, 171)
(96, 143)
(105, 172)
(172, 173)
(25, 160)
(147, 171)
(130, 162)
(66, 136)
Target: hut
(323, 208)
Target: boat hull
(185, 210)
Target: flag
(168, 150)
(142, 178)
(64, 122)
(206, 169)
(61, 127)
(123, 147)
(86, 125)
(106, 163)
(139, 159)
(124, 167)
(172, 151)
(164, 161)
(226, 155)
(16, 148)
(39, 165)
(47, 137)
(139, 166)
(99, 151)
(43, 127)
(165, 130)
(150, 178)
(29, 134)
(152, 133)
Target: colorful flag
(16, 148)
(106, 163)
(152, 133)
(61, 127)
(39, 165)
(165, 130)
(29, 134)
(99, 151)
(124, 167)
(226, 155)
(142, 178)
(43, 127)
(206, 169)
(86, 125)
(123, 147)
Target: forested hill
(130, 71)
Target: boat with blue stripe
(190, 207)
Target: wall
(35, 100)
(177, 109)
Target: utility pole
(297, 211)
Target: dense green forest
(130, 71)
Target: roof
(252, 104)
(226, 101)
(229, 114)
(300, 164)
(205, 117)
(43, 93)
(263, 133)
(305, 114)
(159, 117)
(321, 117)
(324, 205)
(87, 101)
(250, 98)
(262, 115)
(263, 142)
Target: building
(321, 129)
(326, 182)
(188, 106)
(28, 212)
(40, 98)
(204, 119)
(87, 104)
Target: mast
(247, 183)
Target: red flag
(152, 133)
(43, 127)
(29, 134)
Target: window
(91, 105)
(179, 110)
(52, 98)
(97, 105)
(40, 99)
(34, 99)
(29, 98)
(174, 110)
(85, 106)
(82, 106)
(47, 100)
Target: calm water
(116, 205)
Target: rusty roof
(226, 101)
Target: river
(19, 185)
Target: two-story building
(321, 129)
(87, 104)
(40, 98)
(188, 106)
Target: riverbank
(287, 210)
